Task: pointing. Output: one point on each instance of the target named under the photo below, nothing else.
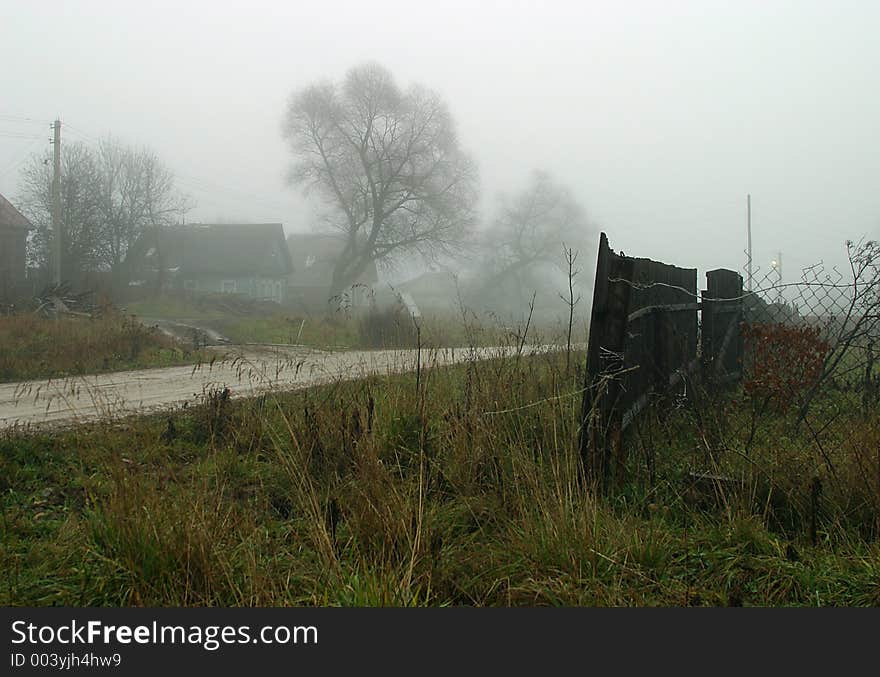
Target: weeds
(36, 347)
(358, 493)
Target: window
(227, 286)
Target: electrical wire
(19, 159)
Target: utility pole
(56, 200)
(779, 277)
(749, 219)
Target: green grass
(288, 329)
(173, 307)
(242, 320)
(465, 491)
(35, 347)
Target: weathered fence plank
(721, 337)
(600, 417)
(643, 340)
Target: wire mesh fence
(810, 386)
(815, 337)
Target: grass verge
(35, 347)
(460, 488)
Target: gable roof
(313, 256)
(216, 248)
(10, 217)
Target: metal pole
(779, 277)
(749, 219)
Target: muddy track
(187, 331)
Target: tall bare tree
(111, 195)
(388, 163)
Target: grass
(281, 328)
(173, 307)
(243, 320)
(35, 347)
(464, 489)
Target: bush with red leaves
(782, 361)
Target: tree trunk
(346, 272)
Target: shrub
(783, 361)
(390, 327)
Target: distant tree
(137, 194)
(388, 163)
(528, 236)
(110, 196)
(80, 209)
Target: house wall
(273, 289)
(12, 260)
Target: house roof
(217, 248)
(10, 217)
(313, 256)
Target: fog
(660, 117)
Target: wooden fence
(645, 344)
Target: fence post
(721, 335)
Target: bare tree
(110, 196)
(387, 162)
(137, 194)
(80, 209)
(526, 235)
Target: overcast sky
(661, 116)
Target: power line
(198, 183)
(19, 159)
(22, 119)
(82, 133)
(216, 189)
(195, 183)
(18, 135)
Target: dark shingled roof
(10, 217)
(218, 248)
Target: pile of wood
(59, 299)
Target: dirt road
(247, 371)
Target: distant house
(435, 290)
(14, 228)
(314, 257)
(247, 259)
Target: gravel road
(247, 371)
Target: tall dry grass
(36, 347)
(461, 486)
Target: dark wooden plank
(642, 342)
(722, 316)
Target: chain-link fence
(816, 337)
(811, 383)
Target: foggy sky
(661, 116)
